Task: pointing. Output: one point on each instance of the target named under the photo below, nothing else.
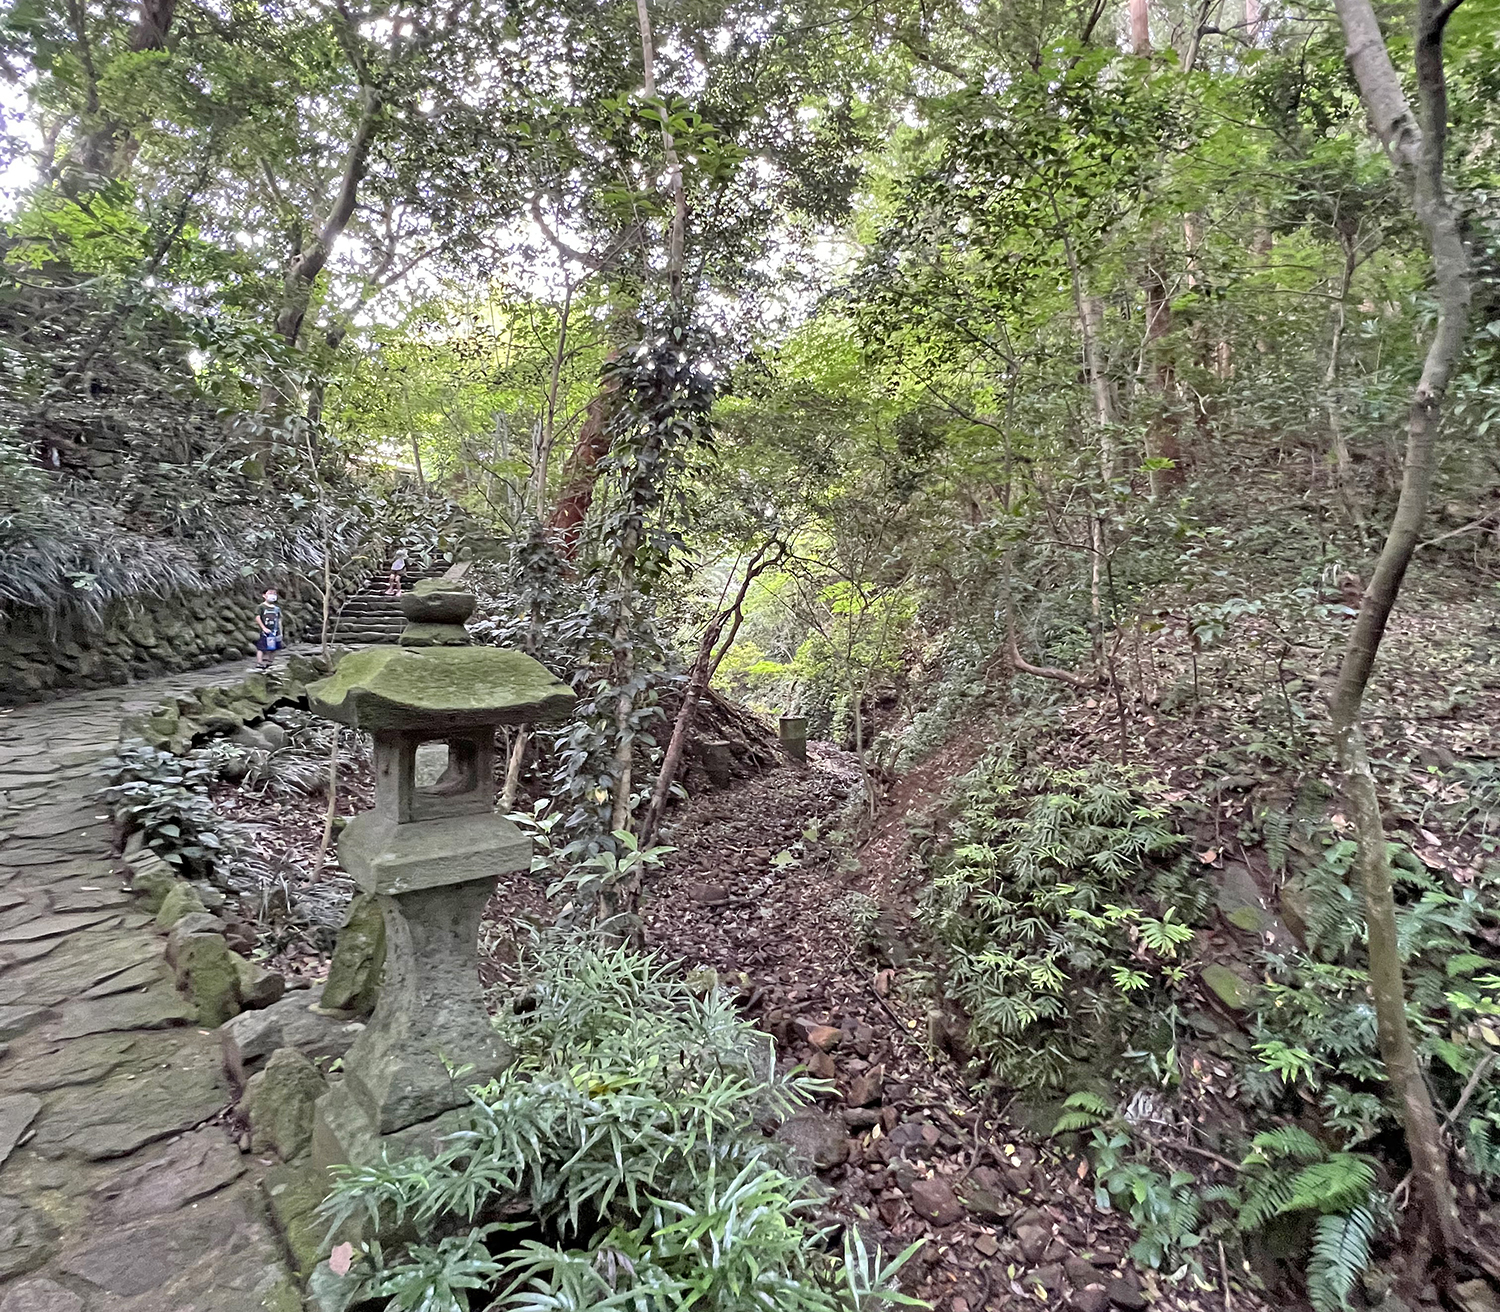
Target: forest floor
(764, 889)
(813, 933)
(805, 907)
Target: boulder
(181, 899)
(434, 635)
(358, 959)
(428, 605)
(151, 878)
(934, 1202)
(279, 1103)
(817, 1140)
(195, 922)
(208, 973)
(258, 986)
(1232, 990)
(250, 1038)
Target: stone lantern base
(430, 1038)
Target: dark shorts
(264, 643)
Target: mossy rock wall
(41, 654)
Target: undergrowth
(1290, 1189)
(1063, 906)
(1064, 911)
(621, 1161)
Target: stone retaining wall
(140, 639)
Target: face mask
(271, 598)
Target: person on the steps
(398, 567)
(268, 621)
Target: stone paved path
(118, 1191)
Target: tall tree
(1415, 143)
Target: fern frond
(1340, 1251)
(1086, 1101)
(1288, 1141)
(1342, 1182)
(1278, 831)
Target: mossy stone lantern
(432, 856)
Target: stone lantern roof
(436, 688)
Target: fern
(1061, 907)
(1341, 1182)
(1340, 1251)
(1278, 836)
(1082, 1111)
(1287, 1141)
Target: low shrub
(1063, 908)
(621, 1161)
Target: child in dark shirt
(268, 622)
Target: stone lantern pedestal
(431, 855)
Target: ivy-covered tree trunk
(1416, 151)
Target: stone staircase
(370, 617)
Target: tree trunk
(702, 672)
(311, 259)
(704, 667)
(1416, 151)
(675, 188)
(580, 473)
(1090, 327)
(1140, 28)
(153, 25)
(513, 770)
(1343, 469)
(541, 456)
(1161, 427)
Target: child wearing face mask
(268, 621)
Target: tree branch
(1017, 662)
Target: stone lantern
(432, 856)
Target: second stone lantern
(432, 855)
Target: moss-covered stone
(222, 720)
(181, 899)
(259, 987)
(437, 606)
(1232, 990)
(284, 1296)
(279, 1103)
(1252, 920)
(293, 1193)
(417, 634)
(1296, 907)
(152, 879)
(436, 688)
(358, 959)
(207, 972)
